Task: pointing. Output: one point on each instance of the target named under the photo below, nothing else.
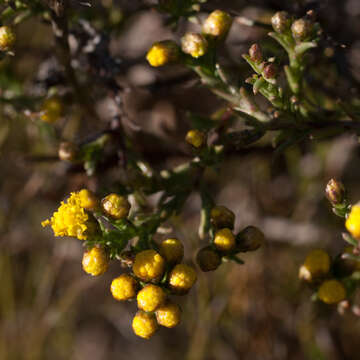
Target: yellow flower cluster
(316, 271)
(51, 110)
(71, 218)
(225, 243)
(216, 26)
(148, 270)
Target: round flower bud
(208, 259)
(250, 239)
(224, 240)
(331, 292)
(196, 138)
(281, 21)
(217, 24)
(116, 206)
(168, 315)
(7, 38)
(255, 53)
(95, 262)
(150, 298)
(182, 278)
(144, 324)
(222, 217)
(163, 53)
(335, 192)
(316, 265)
(352, 223)
(124, 287)
(149, 265)
(68, 151)
(172, 250)
(301, 29)
(194, 44)
(270, 71)
(51, 110)
(88, 199)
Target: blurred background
(50, 309)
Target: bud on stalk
(281, 21)
(335, 192)
(255, 53)
(194, 44)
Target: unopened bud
(163, 53)
(208, 259)
(116, 206)
(217, 24)
(301, 29)
(281, 21)
(250, 239)
(335, 192)
(194, 44)
(68, 151)
(255, 53)
(222, 217)
(196, 138)
(270, 71)
(7, 38)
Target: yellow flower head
(172, 250)
(70, 219)
(162, 53)
(317, 264)
(124, 287)
(144, 324)
(51, 109)
(149, 265)
(194, 44)
(150, 298)
(196, 138)
(224, 240)
(168, 315)
(353, 221)
(116, 206)
(250, 239)
(221, 217)
(217, 24)
(7, 38)
(95, 261)
(182, 278)
(208, 259)
(331, 292)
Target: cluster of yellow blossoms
(318, 271)
(225, 243)
(155, 275)
(215, 27)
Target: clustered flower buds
(215, 27)
(316, 271)
(156, 275)
(225, 244)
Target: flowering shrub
(127, 222)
